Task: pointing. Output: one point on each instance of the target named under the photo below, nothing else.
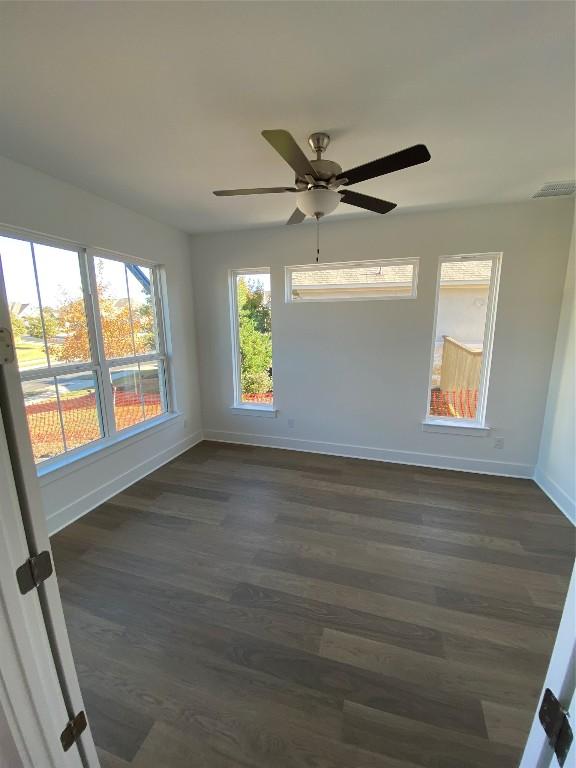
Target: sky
(58, 274)
(262, 278)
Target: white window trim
(288, 270)
(98, 365)
(255, 409)
(239, 407)
(478, 425)
(55, 469)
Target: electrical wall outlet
(499, 442)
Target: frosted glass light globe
(317, 201)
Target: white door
(39, 690)
(560, 680)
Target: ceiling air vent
(557, 189)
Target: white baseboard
(79, 507)
(565, 504)
(481, 466)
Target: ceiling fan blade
(255, 191)
(297, 217)
(367, 202)
(285, 144)
(396, 162)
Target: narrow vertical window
(251, 338)
(463, 332)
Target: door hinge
(34, 571)
(73, 730)
(7, 354)
(556, 724)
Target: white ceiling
(153, 105)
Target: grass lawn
(30, 354)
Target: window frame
(479, 423)
(237, 405)
(105, 364)
(325, 266)
(97, 364)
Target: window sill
(455, 428)
(266, 411)
(62, 466)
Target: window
(89, 342)
(353, 281)
(462, 341)
(251, 338)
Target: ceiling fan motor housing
(326, 169)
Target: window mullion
(60, 416)
(130, 311)
(102, 371)
(41, 308)
(157, 293)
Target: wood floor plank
(429, 746)
(542, 563)
(444, 620)
(459, 678)
(404, 634)
(244, 606)
(121, 729)
(110, 761)
(507, 724)
(498, 608)
(410, 589)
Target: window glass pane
(151, 376)
(114, 308)
(369, 280)
(255, 337)
(127, 391)
(63, 306)
(43, 418)
(142, 307)
(460, 333)
(79, 408)
(23, 303)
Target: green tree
(255, 334)
(18, 325)
(51, 323)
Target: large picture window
(89, 342)
(251, 316)
(462, 340)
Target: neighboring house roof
(466, 271)
(397, 274)
(17, 308)
(393, 274)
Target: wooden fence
(461, 366)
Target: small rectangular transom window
(353, 281)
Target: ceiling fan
(317, 181)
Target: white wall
(353, 376)
(34, 201)
(9, 757)
(556, 469)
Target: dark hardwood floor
(253, 607)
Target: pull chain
(317, 239)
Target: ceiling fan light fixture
(317, 202)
